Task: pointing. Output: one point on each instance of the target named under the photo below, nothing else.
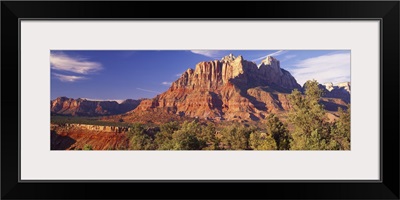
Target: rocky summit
(231, 88)
(339, 90)
(84, 107)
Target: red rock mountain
(228, 89)
(83, 107)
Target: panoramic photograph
(200, 100)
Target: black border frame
(387, 12)
(195, 180)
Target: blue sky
(119, 75)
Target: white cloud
(146, 90)
(287, 57)
(178, 75)
(68, 78)
(276, 53)
(209, 53)
(327, 68)
(166, 83)
(117, 100)
(62, 62)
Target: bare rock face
(83, 107)
(271, 70)
(228, 89)
(214, 74)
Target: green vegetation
(186, 138)
(236, 137)
(208, 136)
(194, 135)
(311, 129)
(341, 129)
(139, 140)
(60, 120)
(163, 139)
(262, 141)
(87, 147)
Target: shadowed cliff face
(230, 89)
(340, 90)
(83, 107)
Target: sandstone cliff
(231, 89)
(215, 74)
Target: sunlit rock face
(231, 88)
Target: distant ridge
(84, 107)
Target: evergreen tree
(308, 117)
(208, 136)
(341, 129)
(236, 137)
(186, 137)
(136, 128)
(262, 141)
(163, 139)
(279, 132)
(138, 139)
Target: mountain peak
(339, 90)
(269, 60)
(345, 85)
(341, 85)
(235, 70)
(328, 86)
(231, 58)
(228, 58)
(239, 58)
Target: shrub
(235, 137)
(87, 147)
(262, 141)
